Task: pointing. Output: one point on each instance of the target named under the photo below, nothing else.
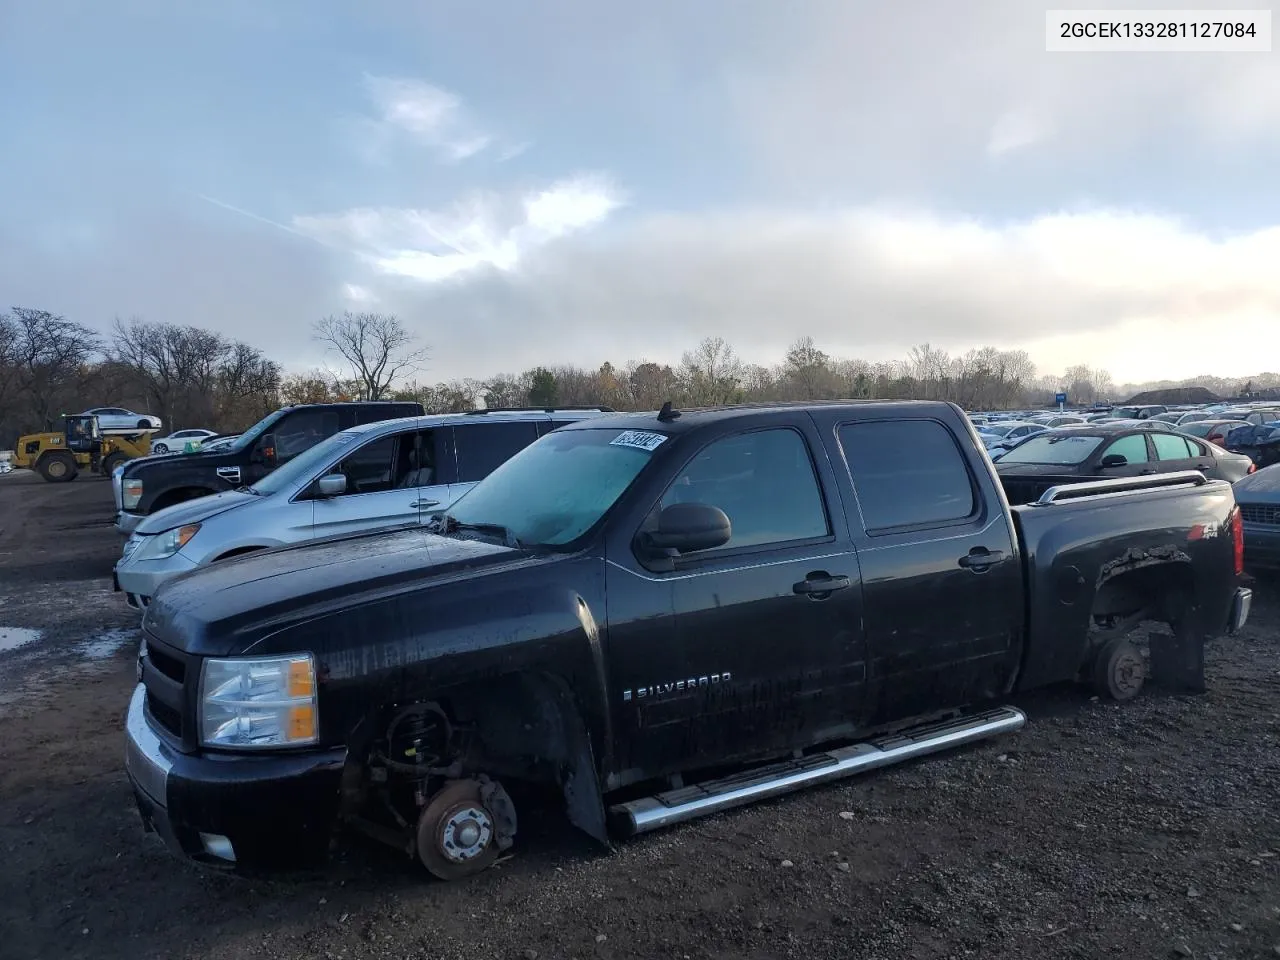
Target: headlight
(166, 544)
(131, 492)
(258, 702)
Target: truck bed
(1080, 531)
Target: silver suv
(384, 474)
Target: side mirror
(688, 527)
(265, 451)
(331, 485)
(1115, 460)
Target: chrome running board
(759, 783)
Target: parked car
(783, 595)
(152, 483)
(1260, 443)
(1211, 429)
(1140, 412)
(383, 474)
(118, 418)
(1253, 415)
(176, 442)
(999, 436)
(1259, 499)
(1056, 420)
(1110, 450)
(1162, 426)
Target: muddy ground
(1145, 830)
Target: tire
(144, 425)
(160, 448)
(58, 467)
(1119, 670)
(111, 462)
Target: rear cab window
(931, 486)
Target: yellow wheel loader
(59, 457)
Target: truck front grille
(1260, 513)
(169, 676)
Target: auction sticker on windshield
(639, 439)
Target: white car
(118, 418)
(177, 442)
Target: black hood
(228, 606)
(213, 459)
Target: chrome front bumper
(145, 757)
(127, 522)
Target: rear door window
(483, 447)
(907, 473)
(1170, 446)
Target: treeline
(50, 365)
(192, 377)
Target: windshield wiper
(447, 523)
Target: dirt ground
(1145, 830)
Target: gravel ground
(1150, 829)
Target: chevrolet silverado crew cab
(377, 475)
(661, 616)
(149, 484)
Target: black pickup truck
(148, 484)
(661, 616)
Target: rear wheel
(160, 448)
(1119, 670)
(144, 424)
(58, 467)
(112, 461)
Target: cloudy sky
(582, 180)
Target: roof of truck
(690, 417)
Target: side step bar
(686, 803)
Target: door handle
(819, 584)
(425, 503)
(980, 558)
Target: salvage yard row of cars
(1239, 443)
(360, 619)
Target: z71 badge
(676, 686)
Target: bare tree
(48, 354)
(712, 373)
(376, 346)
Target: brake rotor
(457, 836)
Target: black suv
(148, 484)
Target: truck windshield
(556, 489)
(305, 463)
(1052, 448)
(253, 433)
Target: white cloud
(485, 230)
(1014, 130)
(429, 115)
(1141, 295)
